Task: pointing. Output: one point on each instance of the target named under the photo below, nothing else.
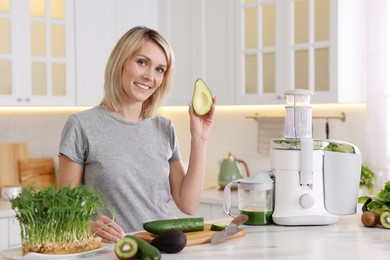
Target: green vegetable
(339, 147)
(126, 248)
(145, 250)
(183, 224)
(217, 227)
(367, 178)
(51, 216)
(381, 202)
(295, 144)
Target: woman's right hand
(107, 229)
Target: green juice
(258, 217)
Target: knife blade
(230, 229)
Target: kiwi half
(126, 248)
(385, 219)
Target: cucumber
(217, 227)
(145, 250)
(182, 224)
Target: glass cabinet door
(36, 52)
(285, 44)
(310, 44)
(6, 60)
(48, 64)
(258, 53)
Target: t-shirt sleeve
(73, 143)
(174, 145)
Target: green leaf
(363, 199)
(387, 186)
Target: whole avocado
(171, 241)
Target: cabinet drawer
(3, 233)
(14, 233)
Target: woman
(126, 152)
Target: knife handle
(240, 219)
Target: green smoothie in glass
(258, 217)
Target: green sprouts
(51, 216)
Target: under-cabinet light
(183, 108)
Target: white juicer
(315, 180)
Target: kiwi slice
(126, 248)
(385, 219)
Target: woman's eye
(160, 70)
(141, 62)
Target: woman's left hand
(201, 126)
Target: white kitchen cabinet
(202, 36)
(206, 210)
(310, 44)
(14, 236)
(37, 53)
(99, 25)
(3, 233)
(10, 233)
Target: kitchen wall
(233, 131)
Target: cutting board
(37, 171)
(193, 238)
(10, 154)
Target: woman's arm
(186, 189)
(71, 174)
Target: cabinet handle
(19, 100)
(27, 100)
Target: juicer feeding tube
(306, 161)
(299, 127)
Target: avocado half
(202, 99)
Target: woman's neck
(130, 113)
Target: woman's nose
(148, 73)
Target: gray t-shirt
(127, 163)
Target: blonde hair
(129, 43)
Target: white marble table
(347, 239)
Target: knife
(230, 229)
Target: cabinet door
(3, 233)
(99, 25)
(260, 52)
(37, 57)
(202, 37)
(14, 233)
(306, 44)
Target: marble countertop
(347, 239)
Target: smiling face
(143, 72)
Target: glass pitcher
(255, 198)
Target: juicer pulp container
(341, 181)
